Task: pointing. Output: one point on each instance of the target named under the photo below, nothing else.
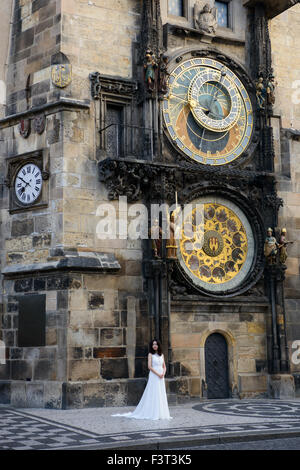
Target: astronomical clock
(216, 245)
(209, 119)
(208, 113)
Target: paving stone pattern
(20, 430)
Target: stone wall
(96, 324)
(36, 33)
(245, 329)
(284, 32)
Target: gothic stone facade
(78, 311)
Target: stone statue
(271, 90)
(282, 246)
(150, 66)
(156, 239)
(163, 74)
(261, 93)
(270, 247)
(205, 17)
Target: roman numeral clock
(209, 119)
(28, 181)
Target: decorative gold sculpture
(282, 246)
(171, 245)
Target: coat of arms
(39, 123)
(25, 128)
(61, 75)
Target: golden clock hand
(177, 98)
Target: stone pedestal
(281, 386)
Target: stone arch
(232, 357)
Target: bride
(153, 404)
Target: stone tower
(106, 104)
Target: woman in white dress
(154, 403)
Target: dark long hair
(159, 350)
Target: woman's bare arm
(150, 366)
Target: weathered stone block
(51, 336)
(100, 353)
(281, 386)
(83, 370)
(195, 387)
(21, 227)
(111, 337)
(114, 369)
(252, 383)
(72, 395)
(94, 395)
(21, 370)
(35, 395)
(18, 395)
(5, 370)
(116, 394)
(135, 391)
(62, 300)
(83, 337)
(53, 395)
(44, 370)
(104, 318)
(5, 393)
(95, 300)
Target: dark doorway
(216, 366)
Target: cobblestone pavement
(265, 444)
(28, 429)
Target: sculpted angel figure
(205, 17)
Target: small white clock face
(28, 183)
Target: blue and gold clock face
(208, 112)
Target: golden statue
(282, 246)
(171, 245)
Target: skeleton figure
(205, 17)
(261, 93)
(271, 90)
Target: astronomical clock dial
(28, 184)
(208, 112)
(216, 245)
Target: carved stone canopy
(273, 7)
(114, 85)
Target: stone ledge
(64, 104)
(92, 262)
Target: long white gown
(154, 403)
